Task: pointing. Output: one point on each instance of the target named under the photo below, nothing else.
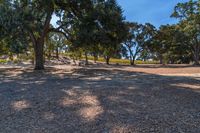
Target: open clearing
(102, 99)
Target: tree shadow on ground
(145, 66)
(97, 100)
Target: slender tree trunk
(57, 52)
(107, 60)
(49, 54)
(11, 56)
(39, 54)
(133, 62)
(161, 59)
(196, 59)
(95, 61)
(86, 59)
(95, 58)
(172, 61)
(132, 57)
(196, 55)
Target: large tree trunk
(39, 54)
(38, 43)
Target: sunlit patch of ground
(91, 106)
(49, 116)
(91, 113)
(195, 87)
(20, 105)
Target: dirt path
(100, 99)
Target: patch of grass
(122, 61)
(16, 61)
(3, 61)
(115, 61)
(26, 57)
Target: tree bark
(39, 54)
(39, 42)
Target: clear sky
(156, 12)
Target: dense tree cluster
(96, 28)
(178, 43)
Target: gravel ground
(100, 99)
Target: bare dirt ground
(100, 99)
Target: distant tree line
(96, 28)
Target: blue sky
(156, 12)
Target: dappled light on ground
(90, 106)
(121, 129)
(195, 87)
(94, 108)
(49, 116)
(84, 100)
(20, 105)
(90, 113)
